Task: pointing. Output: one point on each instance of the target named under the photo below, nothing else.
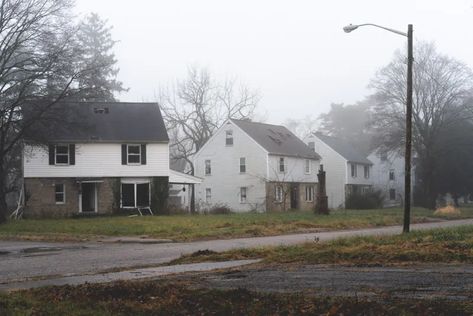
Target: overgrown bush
(363, 201)
(220, 209)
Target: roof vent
(103, 110)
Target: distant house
(388, 176)
(117, 159)
(348, 170)
(254, 166)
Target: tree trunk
(3, 201)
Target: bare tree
(198, 105)
(442, 86)
(37, 71)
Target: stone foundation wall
(41, 200)
(285, 204)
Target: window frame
(366, 171)
(207, 171)
(243, 165)
(245, 190)
(63, 186)
(354, 171)
(307, 166)
(278, 193)
(208, 195)
(229, 137)
(393, 173)
(282, 167)
(135, 194)
(68, 155)
(311, 145)
(309, 193)
(128, 154)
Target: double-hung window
(278, 194)
(61, 154)
(229, 138)
(208, 195)
(133, 153)
(353, 170)
(208, 167)
(309, 193)
(367, 172)
(60, 193)
(282, 165)
(307, 166)
(243, 195)
(242, 164)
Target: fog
(294, 52)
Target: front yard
(198, 227)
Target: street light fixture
(407, 162)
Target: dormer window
(229, 138)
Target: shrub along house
(110, 156)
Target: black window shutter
(51, 154)
(72, 154)
(124, 154)
(143, 154)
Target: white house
(348, 170)
(110, 156)
(254, 166)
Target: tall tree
(349, 122)
(95, 50)
(442, 85)
(38, 70)
(198, 105)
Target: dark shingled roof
(110, 122)
(344, 148)
(276, 139)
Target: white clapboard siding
(96, 160)
(294, 169)
(226, 180)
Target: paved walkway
(22, 261)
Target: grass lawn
(178, 298)
(451, 245)
(187, 227)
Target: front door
(294, 196)
(88, 197)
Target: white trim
(95, 197)
(133, 154)
(63, 194)
(56, 154)
(135, 183)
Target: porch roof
(182, 178)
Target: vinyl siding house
(250, 166)
(348, 170)
(119, 159)
(388, 176)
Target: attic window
(229, 138)
(101, 110)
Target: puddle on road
(35, 250)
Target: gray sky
(294, 52)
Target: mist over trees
(40, 66)
(441, 104)
(95, 44)
(198, 105)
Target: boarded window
(128, 195)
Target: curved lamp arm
(352, 27)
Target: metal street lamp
(407, 163)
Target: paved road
(20, 260)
